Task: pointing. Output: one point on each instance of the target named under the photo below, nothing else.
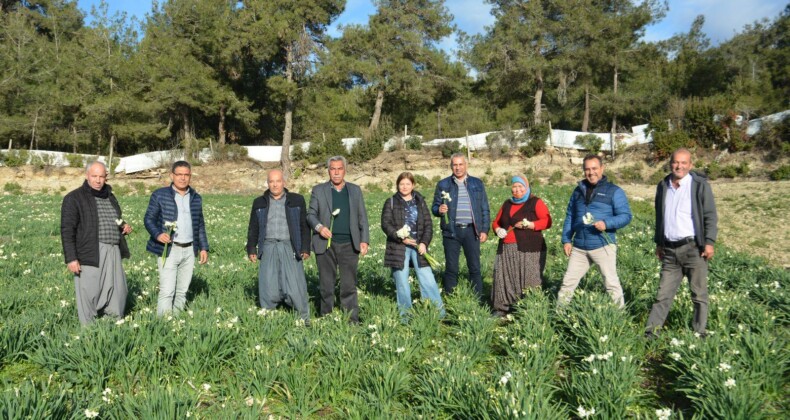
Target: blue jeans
(464, 238)
(428, 287)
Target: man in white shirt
(686, 229)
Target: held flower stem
(335, 212)
(170, 227)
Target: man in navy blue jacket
(181, 204)
(461, 204)
(597, 208)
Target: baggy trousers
(281, 278)
(102, 288)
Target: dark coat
(320, 213)
(162, 207)
(79, 226)
(295, 216)
(393, 217)
(703, 211)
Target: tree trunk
(614, 112)
(221, 128)
(74, 137)
(374, 122)
(586, 120)
(538, 98)
(439, 122)
(33, 132)
(109, 160)
(186, 135)
(285, 154)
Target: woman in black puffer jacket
(406, 221)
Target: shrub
(75, 161)
(365, 149)
(535, 138)
(298, 152)
(229, 153)
(413, 143)
(590, 142)
(666, 142)
(781, 173)
(16, 158)
(451, 147)
(555, 177)
(701, 120)
(714, 170)
(422, 181)
(774, 137)
(632, 173)
(12, 188)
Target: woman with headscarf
(406, 221)
(521, 253)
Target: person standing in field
(341, 236)
(461, 204)
(406, 221)
(686, 230)
(279, 238)
(178, 203)
(521, 253)
(596, 210)
(93, 232)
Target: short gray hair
(336, 159)
(95, 162)
(457, 155)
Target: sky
(723, 18)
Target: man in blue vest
(596, 210)
(181, 204)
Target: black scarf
(104, 192)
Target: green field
(225, 358)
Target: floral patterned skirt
(514, 272)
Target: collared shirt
(678, 222)
(463, 210)
(276, 221)
(183, 233)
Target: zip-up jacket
(607, 203)
(477, 196)
(703, 211)
(393, 216)
(162, 208)
(79, 226)
(295, 216)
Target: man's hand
(660, 252)
(600, 225)
(707, 253)
(127, 229)
(567, 248)
(74, 267)
(325, 232)
(163, 238)
(422, 249)
(483, 237)
(363, 249)
(253, 258)
(203, 256)
(443, 209)
(305, 256)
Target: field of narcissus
(226, 358)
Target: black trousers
(340, 256)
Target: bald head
(96, 175)
(680, 163)
(276, 183)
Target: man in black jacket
(278, 237)
(92, 231)
(686, 229)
